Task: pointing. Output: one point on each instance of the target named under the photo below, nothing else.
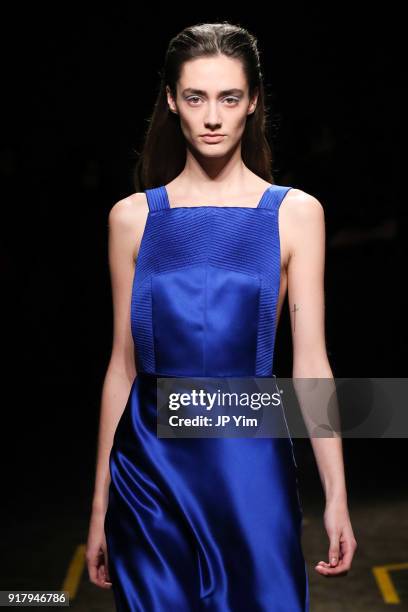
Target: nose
(212, 118)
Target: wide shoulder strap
(156, 198)
(274, 196)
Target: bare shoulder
(127, 221)
(301, 221)
(129, 211)
(302, 207)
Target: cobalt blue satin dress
(198, 524)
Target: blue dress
(197, 524)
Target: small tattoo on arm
(295, 309)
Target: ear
(253, 103)
(170, 101)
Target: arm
(306, 302)
(127, 220)
(121, 370)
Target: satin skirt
(197, 524)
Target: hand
(342, 541)
(96, 552)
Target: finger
(325, 569)
(324, 564)
(101, 582)
(101, 575)
(347, 553)
(95, 578)
(107, 575)
(334, 550)
(92, 570)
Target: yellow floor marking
(75, 569)
(384, 581)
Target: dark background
(78, 88)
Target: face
(212, 98)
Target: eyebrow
(224, 92)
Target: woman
(209, 523)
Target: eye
(192, 98)
(231, 99)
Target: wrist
(337, 498)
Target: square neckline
(261, 200)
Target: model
(201, 258)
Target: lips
(212, 137)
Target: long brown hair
(163, 154)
